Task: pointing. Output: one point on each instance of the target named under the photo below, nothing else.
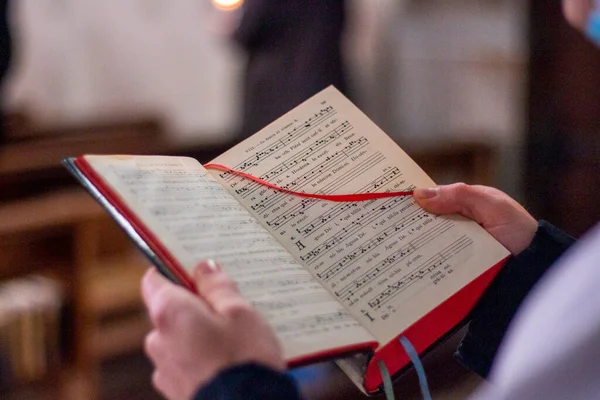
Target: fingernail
(213, 266)
(426, 193)
(208, 267)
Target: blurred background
(496, 92)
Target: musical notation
(270, 305)
(310, 173)
(282, 217)
(295, 134)
(420, 272)
(315, 322)
(347, 292)
(365, 218)
(268, 283)
(354, 249)
(336, 240)
(353, 257)
(312, 150)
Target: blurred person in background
(551, 350)
(5, 56)
(293, 50)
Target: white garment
(552, 350)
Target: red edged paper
(156, 245)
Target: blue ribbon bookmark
(388, 388)
(414, 358)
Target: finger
(216, 287)
(153, 288)
(160, 383)
(153, 348)
(152, 282)
(168, 382)
(456, 198)
(156, 379)
(166, 301)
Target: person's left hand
(196, 337)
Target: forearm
(493, 314)
(249, 382)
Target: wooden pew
(31, 163)
(50, 226)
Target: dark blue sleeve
(491, 317)
(249, 382)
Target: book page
(388, 261)
(196, 219)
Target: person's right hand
(500, 215)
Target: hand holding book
(219, 312)
(196, 337)
(331, 278)
(501, 216)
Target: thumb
(460, 198)
(216, 287)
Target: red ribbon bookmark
(330, 197)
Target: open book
(331, 278)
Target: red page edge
(429, 329)
(153, 242)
